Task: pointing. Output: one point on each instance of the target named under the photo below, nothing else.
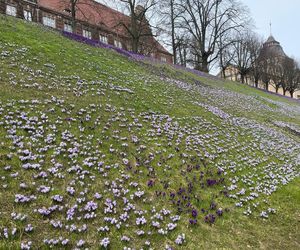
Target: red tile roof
(96, 14)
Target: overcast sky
(285, 18)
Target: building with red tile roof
(93, 20)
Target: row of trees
(246, 55)
(207, 33)
(200, 29)
(204, 34)
(197, 30)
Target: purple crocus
(150, 183)
(210, 218)
(193, 221)
(219, 212)
(194, 213)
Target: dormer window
(68, 11)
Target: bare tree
(138, 27)
(20, 9)
(242, 54)
(265, 75)
(255, 48)
(270, 65)
(292, 76)
(276, 72)
(71, 7)
(169, 13)
(182, 46)
(287, 71)
(207, 21)
(73, 4)
(173, 17)
(281, 72)
(226, 54)
(75, 7)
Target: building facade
(93, 20)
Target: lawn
(98, 150)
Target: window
(87, 34)
(103, 39)
(68, 28)
(48, 21)
(163, 59)
(11, 10)
(27, 15)
(118, 44)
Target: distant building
(271, 49)
(93, 20)
(231, 73)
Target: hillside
(98, 150)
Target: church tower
(272, 48)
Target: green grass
(26, 73)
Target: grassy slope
(151, 93)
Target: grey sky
(285, 18)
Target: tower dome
(272, 48)
(271, 39)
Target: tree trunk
(135, 45)
(267, 86)
(134, 31)
(184, 57)
(292, 94)
(224, 72)
(173, 32)
(73, 13)
(180, 55)
(204, 67)
(256, 82)
(276, 89)
(284, 91)
(20, 11)
(243, 78)
(198, 65)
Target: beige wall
(280, 91)
(232, 74)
